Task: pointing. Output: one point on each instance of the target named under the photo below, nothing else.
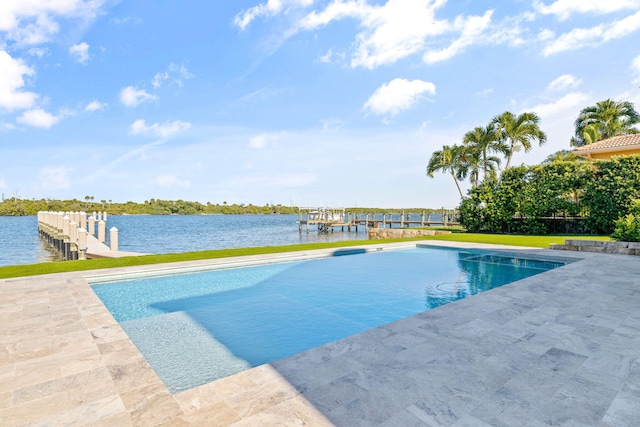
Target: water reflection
(481, 272)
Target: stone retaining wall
(625, 248)
(399, 233)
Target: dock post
(102, 231)
(444, 219)
(73, 238)
(299, 221)
(82, 243)
(422, 219)
(402, 219)
(92, 226)
(83, 221)
(384, 222)
(113, 239)
(66, 244)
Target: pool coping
(64, 360)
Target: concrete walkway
(559, 348)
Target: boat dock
(73, 235)
(327, 219)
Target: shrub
(610, 194)
(627, 228)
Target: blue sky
(304, 102)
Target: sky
(310, 103)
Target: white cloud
(176, 74)
(39, 118)
(166, 130)
(38, 51)
(396, 29)
(270, 8)
(563, 82)
(7, 126)
(80, 53)
(471, 30)
(567, 106)
(179, 74)
(398, 95)
(261, 141)
(563, 9)
(12, 72)
(326, 58)
(546, 34)
(95, 105)
(590, 37)
(171, 181)
(400, 28)
(331, 124)
(393, 30)
(55, 178)
(131, 96)
(485, 93)
(635, 67)
(31, 22)
(157, 80)
(139, 153)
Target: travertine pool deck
(559, 348)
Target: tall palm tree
(472, 161)
(588, 135)
(609, 118)
(518, 131)
(483, 142)
(448, 160)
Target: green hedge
(527, 196)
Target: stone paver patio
(559, 348)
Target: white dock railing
(71, 233)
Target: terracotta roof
(615, 143)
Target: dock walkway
(327, 219)
(96, 249)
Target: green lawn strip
(513, 239)
(94, 264)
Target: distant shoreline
(25, 207)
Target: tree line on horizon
(15, 206)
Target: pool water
(196, 328)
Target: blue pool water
(196, 328)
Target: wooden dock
(73, 235)
(328, 219)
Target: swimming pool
(199, 327)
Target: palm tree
(608, 118)
(472, 161)
(448, 160)
(588, 135)
(519, 131)
(481, 143)
(562, 156)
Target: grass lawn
(68, 266)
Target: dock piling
(113, 238)
(102, 231)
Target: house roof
(613, 144)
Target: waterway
(159, 234)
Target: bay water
(159, 234)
